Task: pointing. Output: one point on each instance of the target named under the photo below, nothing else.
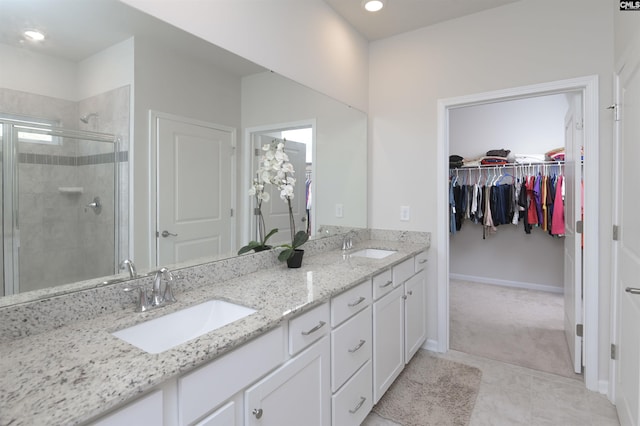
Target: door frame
(588, 85)
(153, 176)
(246, 226)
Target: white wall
(106, 70)
(303, 40)
(500, 48)
(524, 126)
(21, 70)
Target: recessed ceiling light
(33, 35)
(373, 5)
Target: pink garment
(557, 221)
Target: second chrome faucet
(160, 294)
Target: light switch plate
(405, 213)
(338, 210)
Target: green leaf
(273, 231)
(249, 247)
(285, 254)
(299, 239)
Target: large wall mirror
(113, 129)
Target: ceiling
(399, 16)
(77, 29)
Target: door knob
(257, 412)
(166, 233)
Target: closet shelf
(509, 165)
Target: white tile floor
(512, 395)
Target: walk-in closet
(510, 248)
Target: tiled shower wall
(63, 240)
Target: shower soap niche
(71, 190)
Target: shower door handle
(166, 234)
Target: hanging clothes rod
(510, 165)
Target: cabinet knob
(257, 412)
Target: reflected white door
(573, 301)
(628, 248)
(194, 190)
(276, 211)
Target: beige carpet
(517, 326)
(431, 391)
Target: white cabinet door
(224, 416)
(298, 393)
(388, 341)
(415, 314)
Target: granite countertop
(74, 373)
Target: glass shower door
(63, 204)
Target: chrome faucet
(160, 295)
(347, 241)
(128, 265)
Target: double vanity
(317, 345)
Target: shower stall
(60, 208)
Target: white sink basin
(158, 335)
(373, 253)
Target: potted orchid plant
(275, 169)
(257, 190)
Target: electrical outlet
(405, 213)
(338, 210)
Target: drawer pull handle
(410, 292)
(632, 290)
(358, 346)
(357, 407)
(314, 329)
(387, 284)
(422, 261)
(357, 302)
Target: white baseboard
(507, 283)
(603, 387)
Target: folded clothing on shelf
(555, 154)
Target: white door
(628, 248)
(415, 314)
(193, 190)
(573, 241)
(276, 211)
(388, 341)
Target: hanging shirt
(532, 215)
(557, 223)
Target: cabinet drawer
(353, 402)
(144, 411)
(308, 327)
(382, 284)
(402, 271)
(207, 387)
(350, 347)
(421, 261)
(350, 302)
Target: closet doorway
(587, 88)
(507, 275)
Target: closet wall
(509, 256)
